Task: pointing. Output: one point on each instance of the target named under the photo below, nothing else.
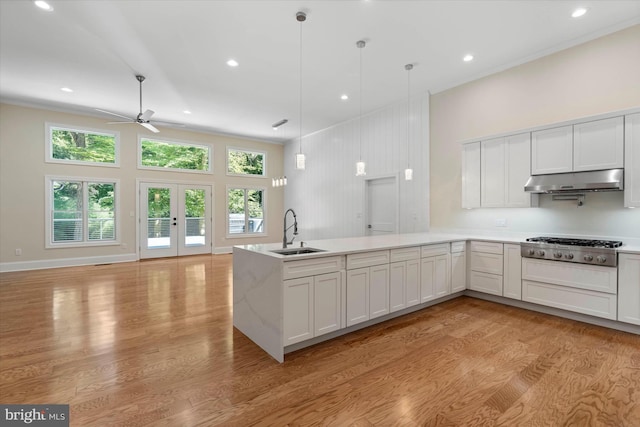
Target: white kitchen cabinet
(312, 306)
(471, 175)
(598, 144)
(404, 278)
(367, 286)
(629, 288)
(505, 168)
(378, 290)
(357, 296)
(486, 267)
(632, 161)
(435, 277)
(512, 277)
(552, 150)
(458, 267)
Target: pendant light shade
(360, 165)
(300, 159)
(408, 172)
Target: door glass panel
(159, 218)
(194, 217)
(256, 214)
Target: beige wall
(23, 168)
(600, 76)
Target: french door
(175, 219)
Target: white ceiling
(97, 47)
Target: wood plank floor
(152, 344)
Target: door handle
(369, 226)
(175, 223)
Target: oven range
(582, 251)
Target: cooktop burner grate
(576, 242)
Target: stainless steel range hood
(576, 182)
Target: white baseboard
(65, 262)
(223, 250)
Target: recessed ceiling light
(578, 12)
(344, 97)
(43, 5)
(187, 112)
(467, 58)
(232, 63)
(66, 89)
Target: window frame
(175, 142)
(48, 183)
(48, 152)
(246, 188)
(247, 150)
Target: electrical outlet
(501, 222)
(18, 252)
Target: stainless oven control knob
(588, 257)
(531, 252)
(601, 259)
(540, 253)
(557, 254)
(568, 256)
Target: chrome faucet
(294, 225)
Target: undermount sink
(297, 251)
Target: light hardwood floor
(152, 344)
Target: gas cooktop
(588, 243)
(581, 251)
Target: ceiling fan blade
(161, 123)
(147, 115)
(149, 126)
(114, 114)
(118, 123)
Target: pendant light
(360, 165)
(408, 172)
(300, 159)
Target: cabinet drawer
(458, 247)
(405, 254)
(312, 267)
(486, 263)
(433, 250)
(488, 247)
(367, 259)
(582, 276)
(598, 304)
(485, 282)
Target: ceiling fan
(142, 118)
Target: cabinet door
(492, 182)
(427, 279)
(397, 286)
(512, 272)
(598, 145)
(632, 161)
(443, 275)
(298, 310)
(629, 288)
(552, 150)
(485, 282)
(517, 169)
(458, 272)
(357, 296)
(327, 291)
(413, 282)
(378, 290)
(471, 175)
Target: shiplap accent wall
(327, 196)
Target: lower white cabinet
(512, 277)
(485, 282)
(435, 278)
(367, 293)
(629, 288)
(404, 284)
(458, 271)
(378, 291)
(312, 306)
(486, 269)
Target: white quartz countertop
(372, 243)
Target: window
(242, 162)
(81, 212)
(245, 212)
(172, 155)
(81, 146)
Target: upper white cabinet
(552, 150)
(471, 175)
(505, 168)
(593, 145)
(598, 145)
(632, 161)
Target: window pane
(245, 162)
(236, 211)
(194, 201)
(67, 144)
(101, 211)
(159, 217)
(256, 214)
(169, 155)
(67, 211)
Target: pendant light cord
(300, 106)
(408, 67)
(361, 45)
